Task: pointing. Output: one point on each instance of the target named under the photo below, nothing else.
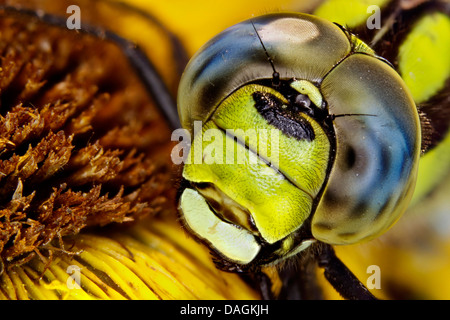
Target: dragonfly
(397, 40)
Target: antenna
(275, 74)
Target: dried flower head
(81, 143)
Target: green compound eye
(321, 143)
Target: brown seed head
(81, 143)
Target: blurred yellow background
(196, 21)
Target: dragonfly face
(327, 133)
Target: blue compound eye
(377, 153)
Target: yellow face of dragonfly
(300, 133)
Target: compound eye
(377, 151)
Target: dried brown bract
(81, 142)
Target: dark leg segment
(340, 277)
